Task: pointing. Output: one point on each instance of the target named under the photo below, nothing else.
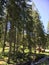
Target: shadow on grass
(22, 59)
(5, 54)
(1, 57)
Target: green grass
(0, 50)
(26, 51)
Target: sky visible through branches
(43, 8)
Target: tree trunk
(5, 33)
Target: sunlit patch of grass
(0, 50)
(5, 58)
(44, 53)
(26, 50)
(2, 63)
(6, 48)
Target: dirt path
(2, 62)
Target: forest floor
(3, 59)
